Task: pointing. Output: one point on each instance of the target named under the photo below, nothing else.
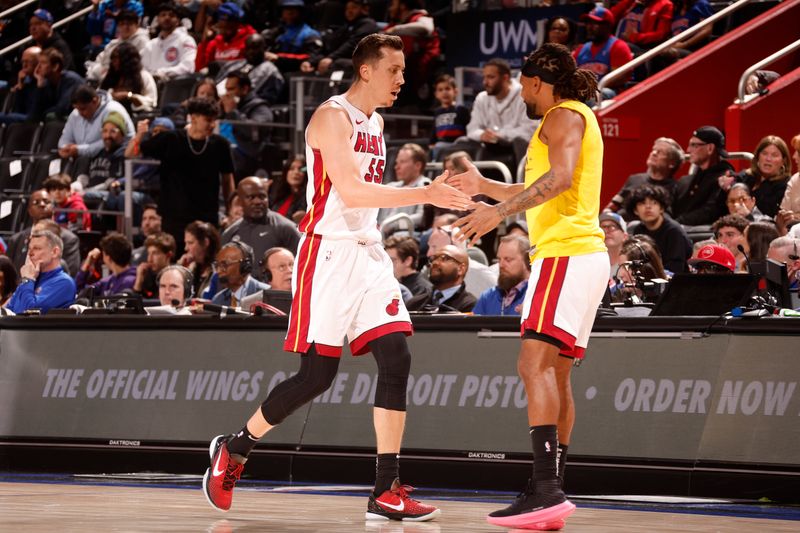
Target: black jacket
(251, 139)
(58, 42)
(698, 199)
(342, 42)
(55, 100)
(462, 301)
(768, 193)
(672, 242)
(417, 283)
(635, 181)
(298, 203)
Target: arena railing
(460, 74)
(618, 73)
(480, 165)
(761, 64)
(393, 122)
(127, 214)
(438, 167)
(127, 191)
(66, 20)
(286, 144)
(17, 7)
(306, 93)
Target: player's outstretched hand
(483, 219)
(443, 195)
(467, 182)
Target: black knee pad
(316, 374)
(394, 363)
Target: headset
(248, 256)
(264, 262)
(188, 279)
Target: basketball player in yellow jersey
(569, 270)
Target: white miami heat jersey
(327, 213)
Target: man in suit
(233, 266)
(40, 207)
(448, 268)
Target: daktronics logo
(517, 36)
(129, 443)
(494, 456)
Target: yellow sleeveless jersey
(567, 225)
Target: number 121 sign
(620, 127)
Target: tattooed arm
(563, 134)
(538, 193)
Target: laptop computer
(705, 294)
(777, 282)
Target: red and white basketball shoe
(220, 479)
(395, 504)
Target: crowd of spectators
(712, 220)
(214, 223)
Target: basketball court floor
(160, 502)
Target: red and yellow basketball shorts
(562, 299)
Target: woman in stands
(757, 236)
(639, 264)
(8, 279)
(234, 209)
(205, 88)
(201, 246)
(768, 174)
(127, 82)
(560, 30)
(287, 195)
(789, 213)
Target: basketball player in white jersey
(343, 284)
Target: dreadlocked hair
(572, 82)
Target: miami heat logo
(394, 307)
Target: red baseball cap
(600, 14)
(714, 253)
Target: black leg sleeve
(394, 363)
(315, 376)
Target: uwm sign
(500, 36)
(510, 34)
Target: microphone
(448, 308)
(89, 294)
(175, 303)
(644, 259)
(223, 310)
(262, 309)
(634, 263)
(746, 257)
